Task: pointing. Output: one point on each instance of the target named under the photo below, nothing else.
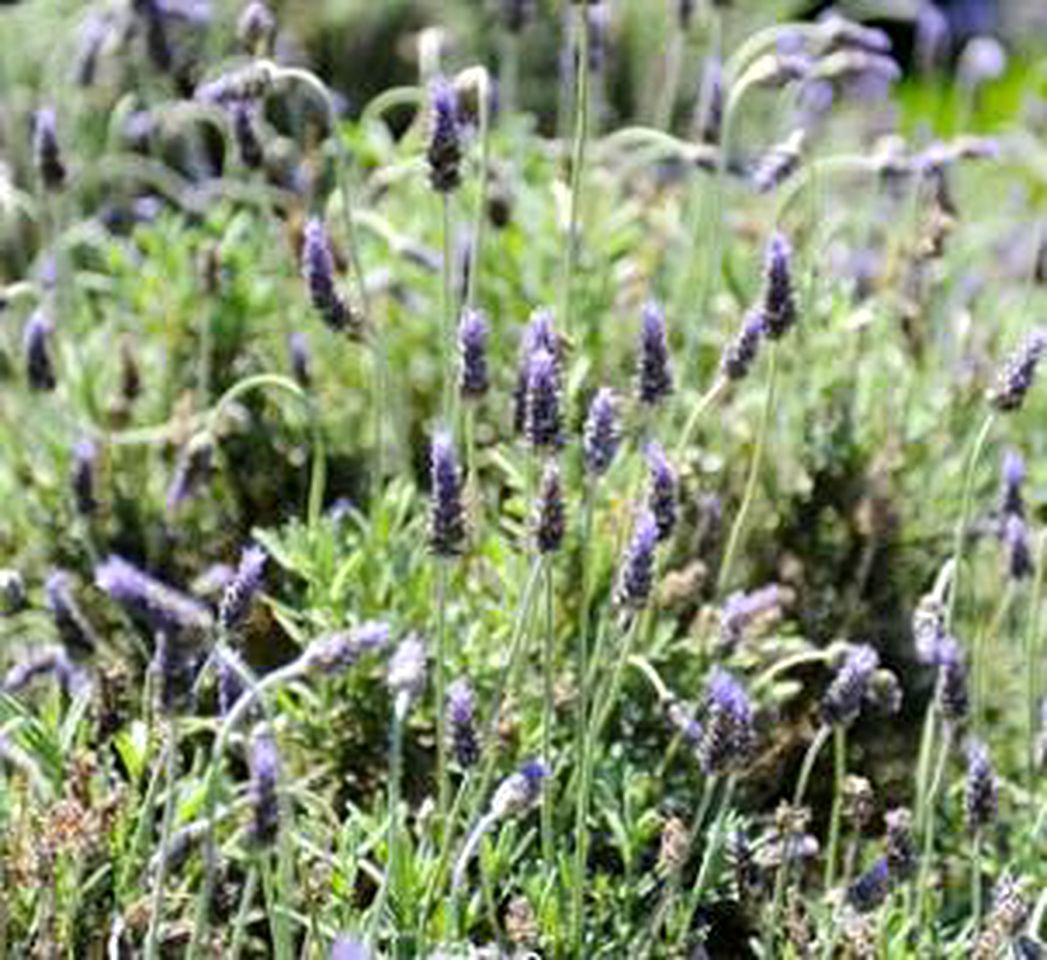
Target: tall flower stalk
(581, 133)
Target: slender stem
(581, 131)
(509, 71)
(440, 684)
(242, 912)
(930, 800)
(166, 825)
(393, 835)
(923, 767)
(480, 212)
(976, 880)
(839, 772)
(712, 851)
(737, 529)
(781, 874)
(548, 714)
(1031, 655)
(581, 714)
(663, 113)
(960, 538)
(447, 311)
(705, 401)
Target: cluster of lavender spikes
(859, 679)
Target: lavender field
(523, 478)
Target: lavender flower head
(12, 592)
(740, 354)
(447, 517)
(981, 790)
(473, 380)
(661, 493)
(163, 608)
(244, 115)
(636, 577)
(73, 629)
(47, 156)
(740, 610)
(542, 424)
(655, 374)
(951, 693)
(256, 29)
(242, 589)
(901, 846)
(728, 735)
(461, 723)
(1016, 376)
(50, 661)
(540, 334)
(406, 673)
(1019, 554)
(265, 776)
(445, 137)
(39, 369)
(339, 650)
(870, 889)
(318, 271)
(1012, 472)
(850, 687)
(520, 791)
(192, 471)
(301, 358)
(602, 432)
(82, 477)
(779, 304)
(549, 512)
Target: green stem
(480, 213)
(440, 688)
(839, 772)
(166, 825)
(1031, 655)
(976, 880)
(581, 130)
(548, 715)
(959, 541)
(581, 714)
(447, 311)
(242, 912)
(923, 883)
(705, 401)
(737, 529)
(393, 841)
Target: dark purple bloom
(175, 667)
(520, 791)
(543, 400)
(1013, 477)
(319, 274)
(242, 589)
(39, 369)
(82, 477)
(728, 734)
(406, 673)
(163, 608)
(301, 359)
(636, 576)
(602, 432)
(661, 492)
(256, 29)
(49, 661)
(461, 723)
(265, 776)
(250, 82)
(709, 118)
(1019, 555)
(1016, 376)
(74, 631)
(778, 164)
(12, 592)
(870, 889)
(447, 517)
(981, 790)
(779, 305)
(473, 381)
(192, 471)
(549, 511)
(741, 609)
(336, 651)
(951, 692)
(243, 114)
(540, 334)
(740, 353)
(901, 851)
(850, 687)
(46, 153)
(655, 374)
(444, 153)
(157, 40)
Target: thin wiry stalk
(480, 212)
(734, 539)
(240, 923)
(707, 400)
(440, 693)
(393, 834)
(1032, 629)
(976, 880)
(548, 713)
(923, 882)
(581, 715)
(166, 826)
(581, 133)
(839, 773)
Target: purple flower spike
(1016, 376)
(981, 790)
(242, 589)
(779, 304)
(82, 477)
(655, 373)
(661, 495)
(445, 138)
(850, 687)
(46, 154)
(728, 734)
(473, 380)
(740, 354)
(602, 432)
(319, 274)
(265, 775)
(637, 573)
(543, 400)
(39, 369)
(871, 888)
(461, 723)
(549, 512)
(447, 517)
(163, 608)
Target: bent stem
(166, 824)
(738, 527)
